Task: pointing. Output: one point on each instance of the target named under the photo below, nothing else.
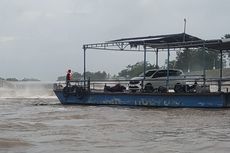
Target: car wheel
(149, 87)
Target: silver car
(156, 78)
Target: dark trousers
(67, 83)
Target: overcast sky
(43, 38)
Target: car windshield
(147, 74)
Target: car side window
(149, 73)
(162, 73)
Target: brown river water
(42, 125)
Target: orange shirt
(68, 76)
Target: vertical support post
(142, 84)
(184, 29)
(84, 63)
(167, 81)
(144, 60)
(204, 65)
(221, 71)
(221, 64)
(157, 59)
(88, 85)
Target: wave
(27, 90)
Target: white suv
(156, 78)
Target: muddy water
(42, 125)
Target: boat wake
(35, 101)
(34, 94)
(26, 93)
(27, 90)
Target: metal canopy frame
(161, 43)
(138, 43)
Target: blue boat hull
(207, 100)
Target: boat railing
(214, 84)
(85, 84)
(211, 84)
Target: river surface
(43, 125)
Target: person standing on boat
(68, 77)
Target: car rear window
(174, 73)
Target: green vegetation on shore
(15, 79)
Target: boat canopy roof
(171, 41)
(159, 39)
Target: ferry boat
(198, 91)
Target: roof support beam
(204, 63)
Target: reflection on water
(37, 125)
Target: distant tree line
(197, 59)
(92, 75)
(136, 69)
(15, 79)
(227, 36)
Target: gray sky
(44, 38)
